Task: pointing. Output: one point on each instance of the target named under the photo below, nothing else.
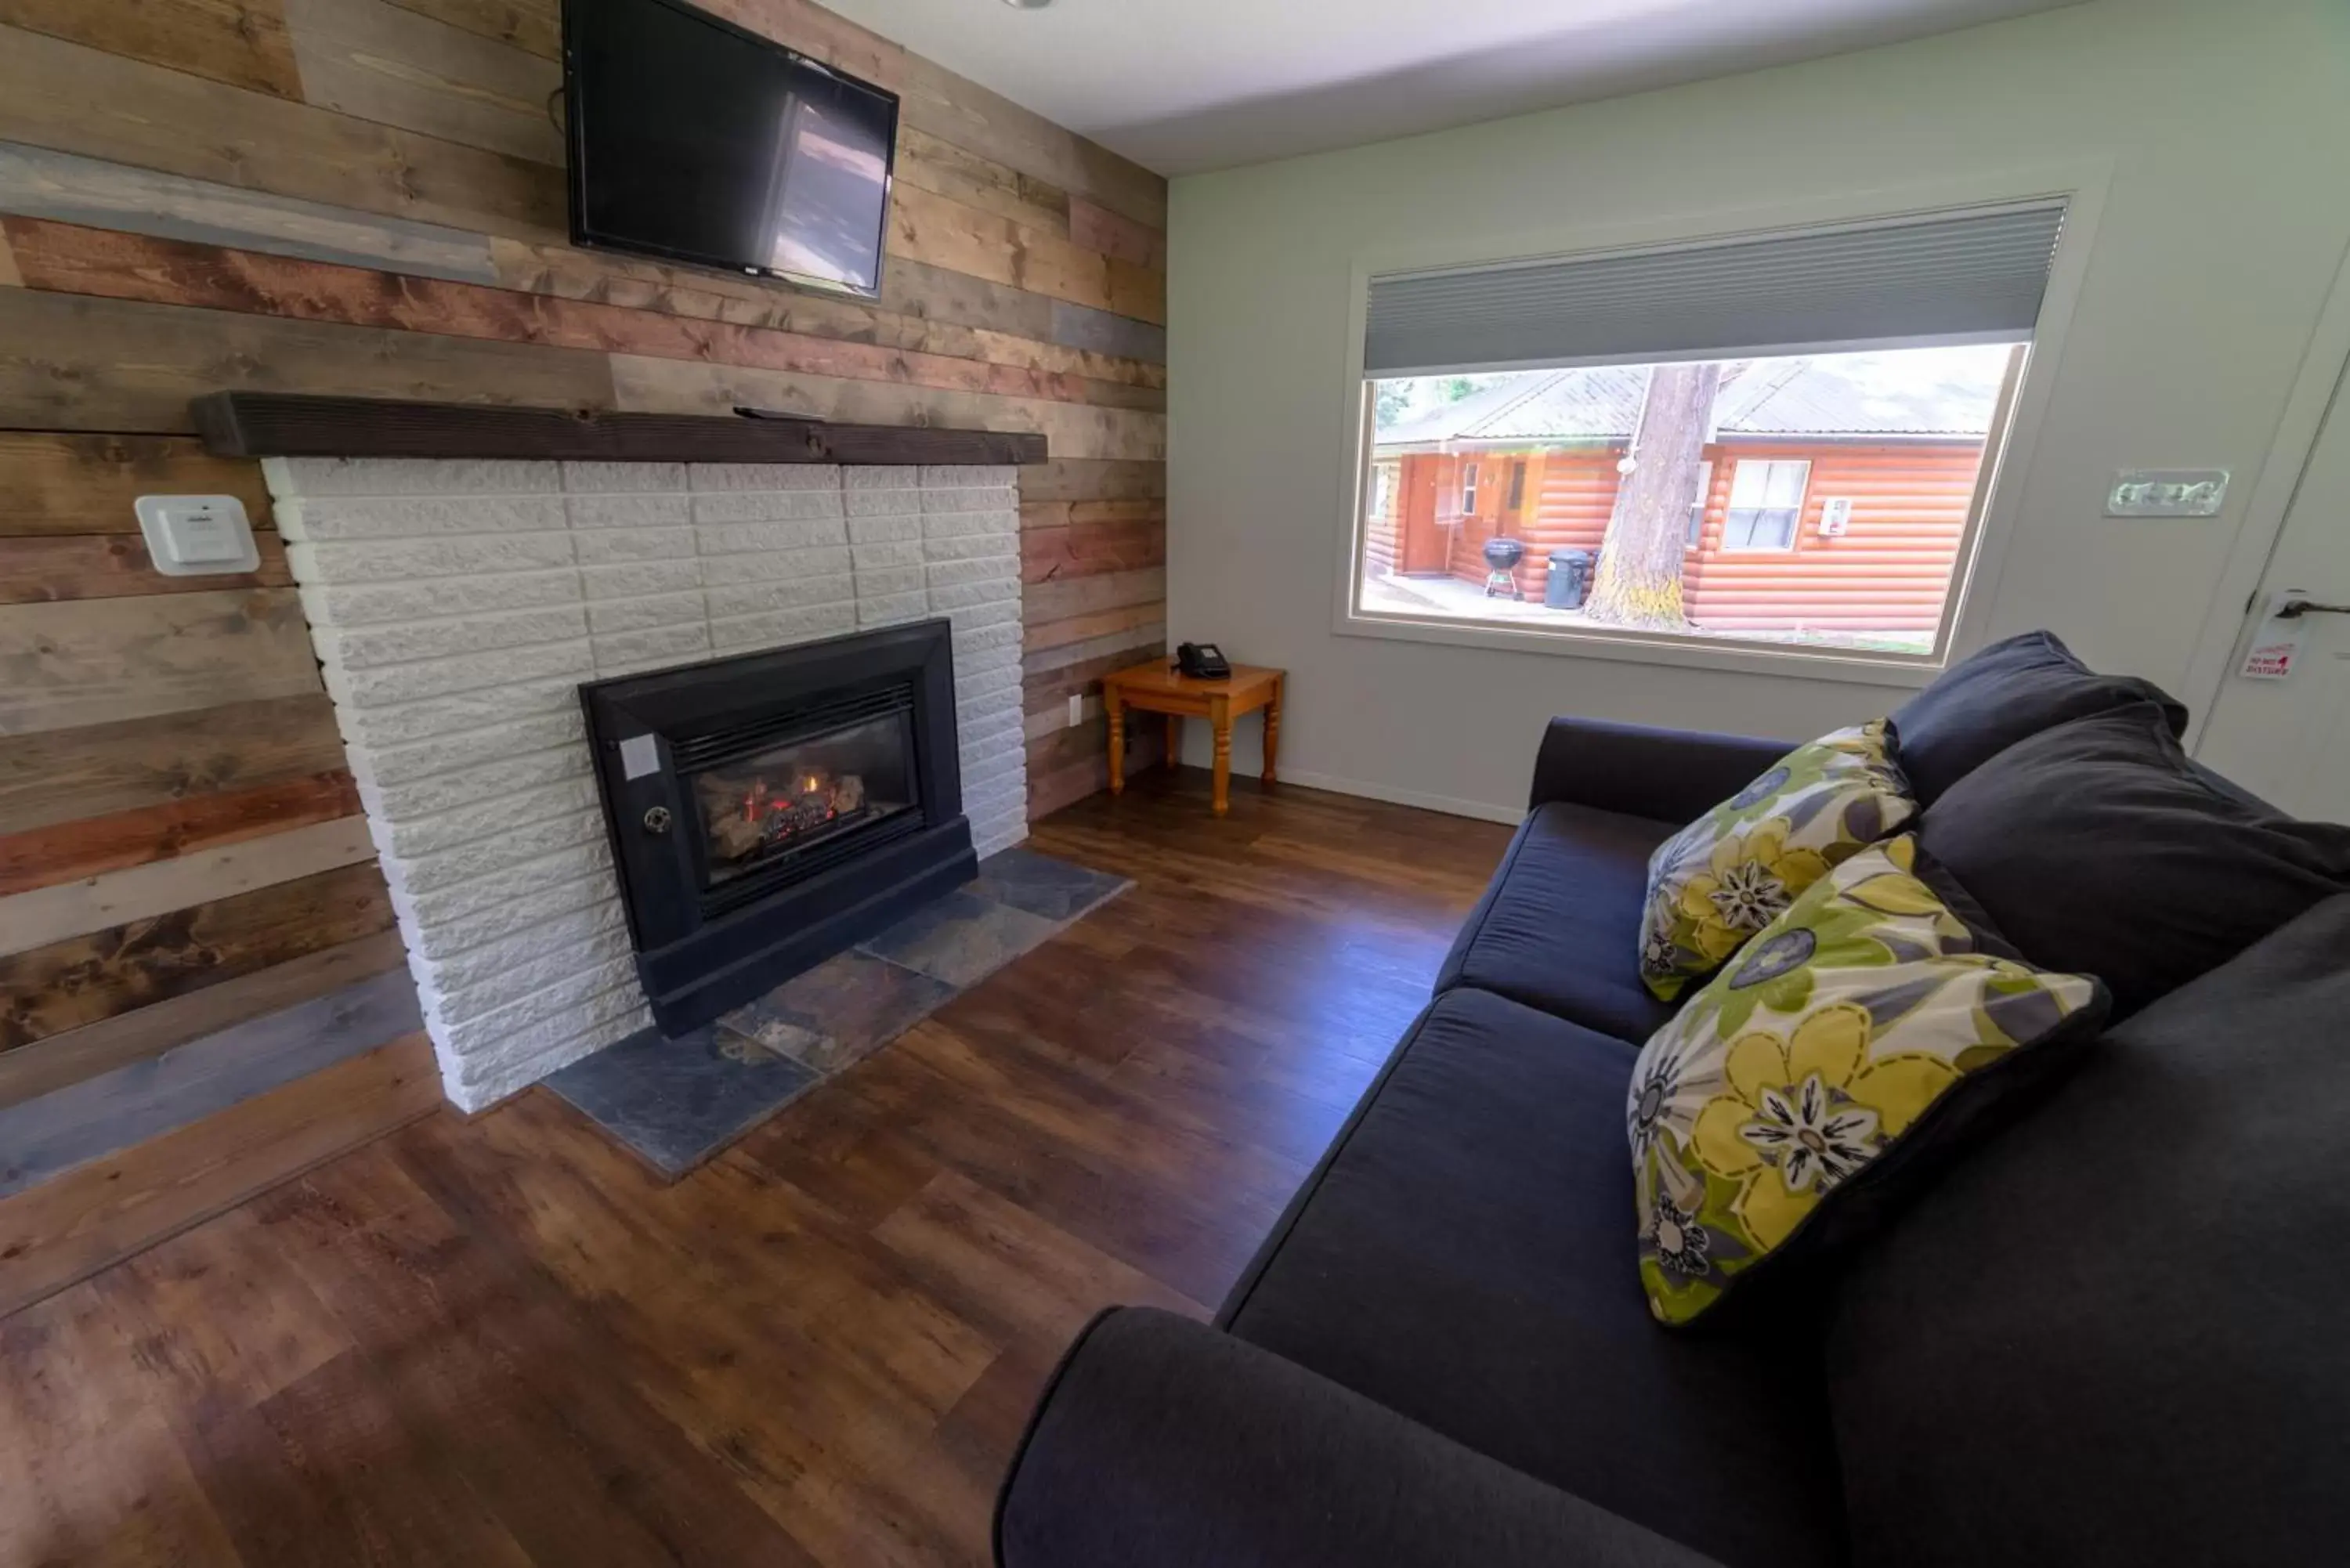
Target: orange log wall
(1382, 520)
(1887, 573)
(1563, 504)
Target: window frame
(1791, 515)
(2083, 184)
(1703, 503)
(1469, 489)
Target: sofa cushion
(2002, 694)
(1827, 1075)
(1717, 882)
(1161, 1443)
(2113, 1336)
(1462, 1258)
(1559, 927)
(2097, 847)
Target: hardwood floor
(501, 1343)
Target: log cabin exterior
(1535, 460)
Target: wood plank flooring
(500, 1342)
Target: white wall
(2228, 125)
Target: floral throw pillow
(1822, 1073)
(1734, 870)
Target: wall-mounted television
(696, 141)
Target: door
(1427, 542)
(2289, 741)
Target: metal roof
(1848, 396)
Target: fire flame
(757, 797)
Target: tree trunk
(1639, 583)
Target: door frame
(2227, 620)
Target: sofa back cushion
(2098, 847)
(2112, 1336)
(2002, 694)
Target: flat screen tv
(696, 141)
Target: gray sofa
(2108, 1334)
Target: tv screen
(694, 139)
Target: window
(1620, 371)
(1698, 505)
(1766, 497)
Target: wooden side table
(1156, 688)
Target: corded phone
(1202, 661)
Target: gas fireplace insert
(770, 810)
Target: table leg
(1174, 742)
(1221, 718)
(1116, 712)
(1271, 729)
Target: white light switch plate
(2166, 493)
(197, 536)
(1077, 708)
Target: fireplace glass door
(778, 806)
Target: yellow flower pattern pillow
(1734, 870)
(1868, 1021)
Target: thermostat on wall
(197, 536)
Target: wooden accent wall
(366, 197)
(182, 858)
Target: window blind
(1968, 276)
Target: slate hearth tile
(960, 938)
(840, 1011)
(677, 1102)
(1042, 884)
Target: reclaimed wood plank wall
(366, 197)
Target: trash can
(1569, 580)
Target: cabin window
(1766, 499)
(1624, 377)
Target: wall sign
(2276, 642)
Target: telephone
(1202, 661)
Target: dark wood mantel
(279, 424)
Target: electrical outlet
(1077, 708)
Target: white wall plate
(2168, 492)
(197, 536)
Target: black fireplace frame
(697, 956)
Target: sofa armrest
(1671, 775)
(1162, 1443)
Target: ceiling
(1187, 85)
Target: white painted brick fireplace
(458, 605)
